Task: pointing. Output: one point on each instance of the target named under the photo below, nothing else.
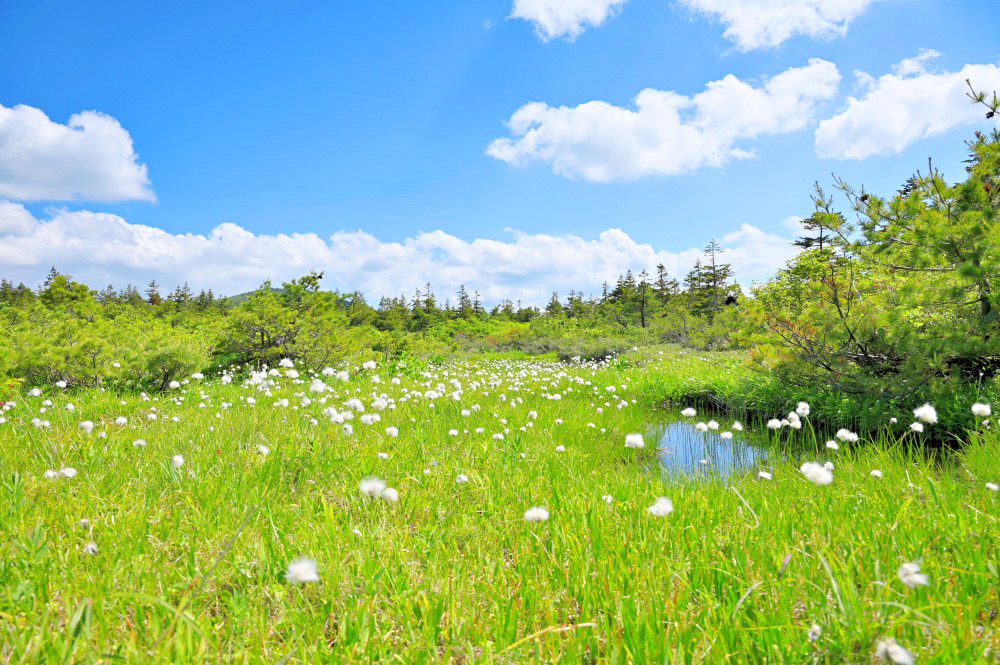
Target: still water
(680, 448)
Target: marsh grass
(191, 562)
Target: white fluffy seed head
(536, 514)
(910, 575)
(816, 473)
(371, 486)
(301, 571)
(981, 410)
(926, 414)
(661, 507)
(634, 441)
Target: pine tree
(153, 293)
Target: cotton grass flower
(814, 633)
(174, 385)
(816, 473)
(917, 427)
(832, 445)
(372, 486)
(737, 426)
(461, 478)
(634, 441)
(926, 413)
(981, 410)
(726, 435)
(177, 461)
(875, 473)
(90, 548)
(764, 475)
(689, 413)
(302, 571)
(263, 450)
(910, 575)
(139, 443)
(661, 507)
(389, 495)
(536, 514)
(86, 426)
(701, 427)
(847, 436)
(889, 650)
(774, 423)
(802, 409)
(993, 487)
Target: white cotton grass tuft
(139, 443)
(993, 487)
(536, 514)
(816, 473)
(917, 427)
(389, 495)
(737, 426)
(802, 409)
(661, 507)
(372, 487)
(847, 436)
(875, 473)
(634, 441)
(814, 633)
(177, 461)
(764, 475)
(701, 427)
(461, 478)
(926, 414)
(889, 650)
(726, 435)
(910, 575)
(263, 450)
(560, 449)
(774, 423)
(832, 445)
(302, 571)
(689, 412)
(90, 548)
(981, 410)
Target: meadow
(481, 509)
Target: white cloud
(91, 157)
(666, 133)
(564, 18)
(100, 248)
(900, 108)
(752, 24)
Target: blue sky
(294, 118)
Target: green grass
(190, 563)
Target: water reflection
(683, 449)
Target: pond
(680, 448)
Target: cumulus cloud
(753, 24)
(750, 24)
(91, 157)
(905, 106)
(665, 133)
(101, 248)
(564, 18)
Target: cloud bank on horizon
(100, 248)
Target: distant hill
(243, 297)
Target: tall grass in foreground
(190, 562)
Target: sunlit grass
(191, 562)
